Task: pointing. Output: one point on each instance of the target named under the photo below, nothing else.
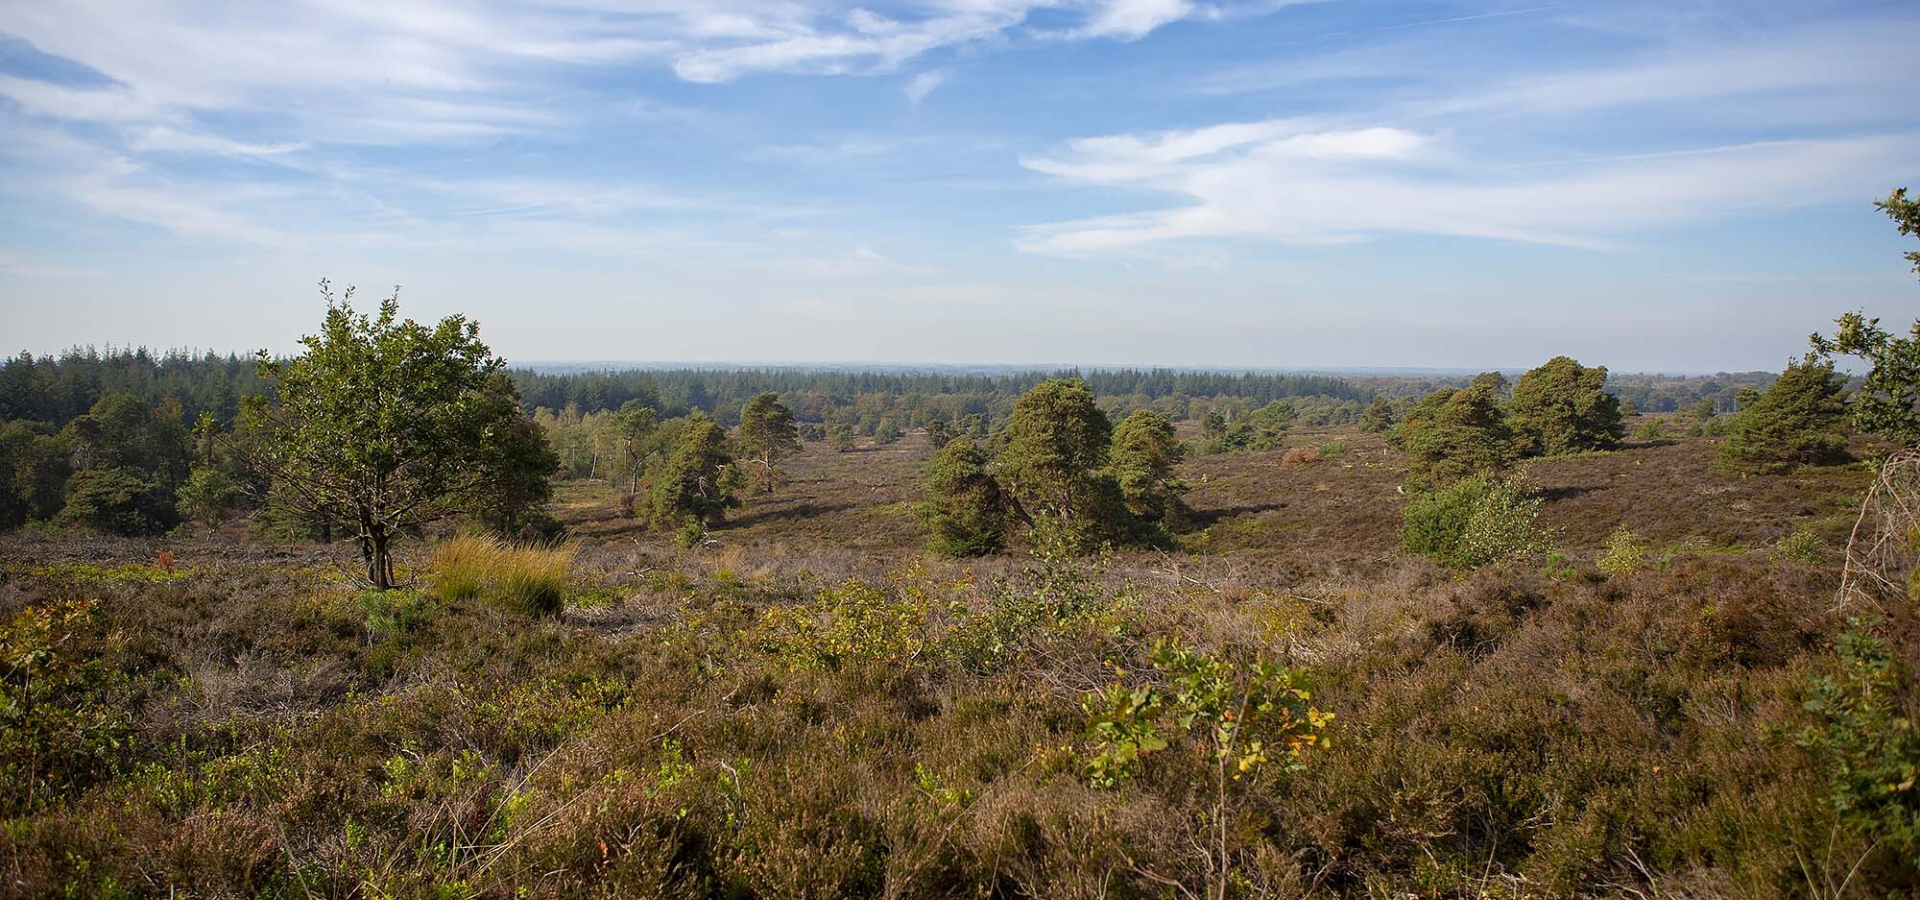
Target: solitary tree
(767, 435)
(698, 481)
(842, 436)
(393, 423)
(1561, 407)
(1053, 459)
(965, 511)
(1796, 422)
(1452, 434)
(1142, 460)
(938, 434)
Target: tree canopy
(390, 423)
(1562, 407)
(1796, 422)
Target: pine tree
(767, 435)
(1796, 422)
(1452, 434)
(1561, 407)
(1378, 417)
(1144, 454)
(697, 484)
(1055, 451)
(965, 511)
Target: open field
(812, 707)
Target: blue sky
(1675, 186)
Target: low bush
(1626, 553)
(1475, 522)
(1300, 456)
(1802, 544)
(528, 580)
(1333, 448)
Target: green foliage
(1867, 742)
(1052, 463)
(698, 481)
(1265, 429)
(1453, 434)
(209, 497)
(1378, 418)
(1476, 521)
(1142, 461)
(886, 432)
(118, 501)
(842, 436)
(1887, 402)
(1796, 422)
(1905, 214)
(1562, 407)
(852, 623)
(56, 731)
(1626, 553)
(1333, 449)
(1802, 545)
(767, 435)
(938, 434)
(33, 474)
(1651, 430)
(964, 511)
(391, 424)
(630, 426)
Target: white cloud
(1343, 186)
(922, 84)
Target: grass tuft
(528, 580)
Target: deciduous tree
(394, 423)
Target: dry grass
(530, 580)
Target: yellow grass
(529, 580)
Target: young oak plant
(1244, 715)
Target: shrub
(1626, 553)
(1868, 742)
(1651, 430)
(1802, 544)
(1333, 448)
(1475, 522)
(527, 580)
(1300, 456)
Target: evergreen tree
(842, 436)
(767, 435)
(118, 501)
(1561, 407)
(1055, 451)
(1452, 434)
(1796, 422)
(1144, 454)
(698, 481)
(630, 427)
(938, 434)
(1378, 418)
(965, 511)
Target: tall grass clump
(528, 580)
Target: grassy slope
(673, 734)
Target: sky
(1679, 186)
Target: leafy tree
(208, 496)
(1796, 422)
(519, 471)
(394, 423)
(630, 427)
(1142, 460)
(1055, 451)
(1452, 434)
(40, 467)
(1887, 402)
(1562, 407)
(965, 511)
(697, 485)
(842, 436)
(118, 501)
(1905, 214)
(767, 435)
(1378, 417)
